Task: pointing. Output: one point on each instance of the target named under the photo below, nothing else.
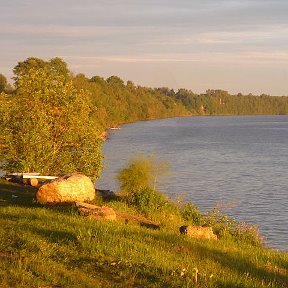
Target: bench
(31, 177)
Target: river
(238, 161)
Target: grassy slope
(54, 247)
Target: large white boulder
(69, 188)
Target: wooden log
(33, 182)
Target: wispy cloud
(46, 30)
(129, 35)
(215, 57)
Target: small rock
(96, 212)
(198, 232)
(99, 213)
(106, 194)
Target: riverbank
(55, 247)
(236, 162)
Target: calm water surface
(241, 162)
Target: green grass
(54, 247)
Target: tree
(115, 81)
(58, 66)
(48, 128)
(3, 83)
(130, 85)
(23, 67)
(99, 80)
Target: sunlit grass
(49, 247)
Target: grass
(55, 247)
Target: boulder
(198, 232)
(69, 188)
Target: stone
(198, 232)
(69, 188)
(96, 212)
(105, 213)
(106, 194)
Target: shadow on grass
(236, 261)
(55, 236)
(241, 265)
(122, 273)
(17, 194)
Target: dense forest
(50, 118)
(119, 102)
(220, 102)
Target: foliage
(141, 172)
(119, 103)
(47, 125)
(3, 83)
(191, 213)
(220, 102)
(147, 200)
(138, 182)
(227, 227)
(56, 67)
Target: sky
(240, 46)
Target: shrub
(136, 177)
(227, 227)
(141, 172)
(147, 200)
(138, 183)
(191, 213)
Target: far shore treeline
(51, 121)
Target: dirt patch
(138, 219)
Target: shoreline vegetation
(54, 123)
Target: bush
(137, 176)
(138, 183)
(227, 227)
(147, 200)
(191, 213)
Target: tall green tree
(48, 126)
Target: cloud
(214, 57)
(58, 30)
(131, 34)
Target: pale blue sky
(234, 45)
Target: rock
(105, 213)
(106, 194)
(96, 212)
(69, 188)
(198, 232)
